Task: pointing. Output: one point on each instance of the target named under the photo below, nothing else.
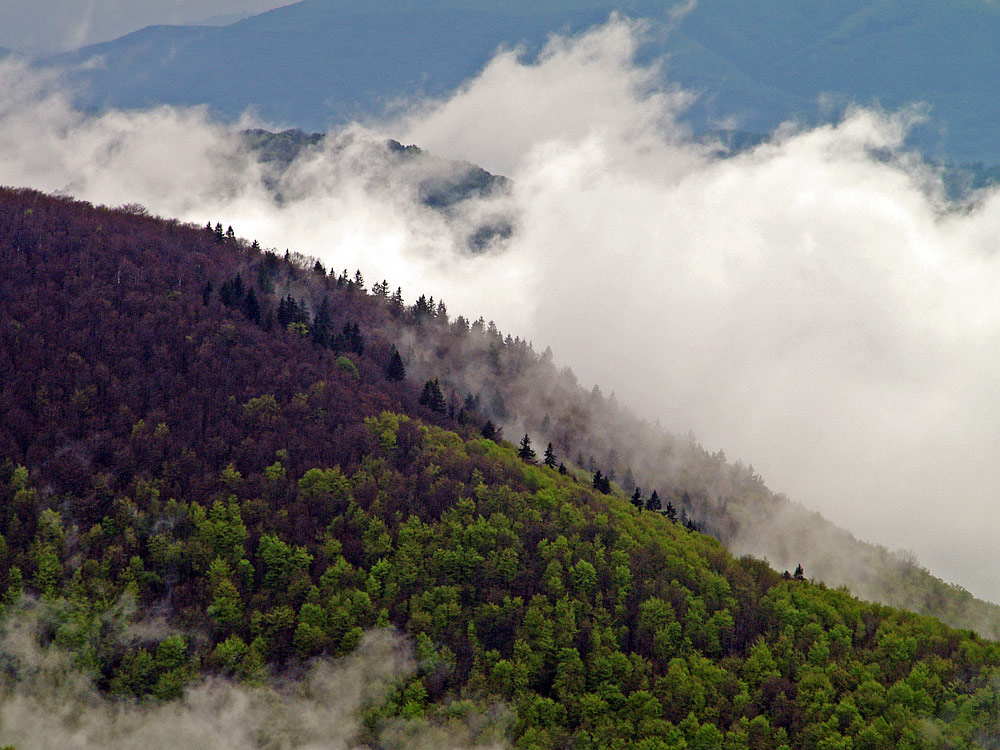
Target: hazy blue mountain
(320, 62)
(765, 60)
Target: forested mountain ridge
(180, 429)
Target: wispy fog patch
(578, 88)
(45, 703)
(812, 306)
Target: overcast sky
(46, 26)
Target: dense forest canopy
(247, 446)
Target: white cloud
(45, 702)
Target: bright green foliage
(598, 626)
(347, 365)
(226, 609)
(318, 483)
(282, 562)
(221, 532)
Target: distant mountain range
(755, 64)
(765, 61)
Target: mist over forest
(266, 388)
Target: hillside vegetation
(181, 431)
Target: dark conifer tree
(288, 311)
(431, 396)
(671, 512)
(491, 432)
(323, 323)
(562, 468)
(637, 498)
(653, 502)
(550, 457)
(231, 292)
(251, 307)
(357, 340)
(421, 308)
(526, 452)
(598, 479)
(799, 574)
(396, 370)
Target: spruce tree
(396, 370)
(598, 481)
(637, 498)
(431, 396)
(653, 502)
(251, 307)
(491, 432)
(550, 457)
(671, 512)
(323, 322)
(526, 452)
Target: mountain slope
(233, 466)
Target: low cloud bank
(813, 306)
(45, 703)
